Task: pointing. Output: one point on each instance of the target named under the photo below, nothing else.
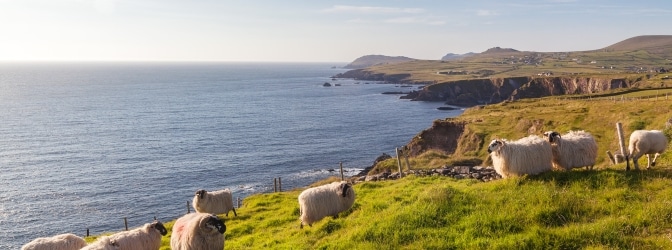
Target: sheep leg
(234, 213)
(653, 164)
(635, 158)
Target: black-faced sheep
(147, 237)
(572, 150)
(326, 200)
(529, 155)
(214, 202)
(200, 231)
(646, 142)
(58, 242)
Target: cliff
(473, 92)
(494, 90)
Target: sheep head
(344, 189)
(495, 145)
(159, 227)
(211, 223)
(200, 193)
(552, 136)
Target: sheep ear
(344, 189)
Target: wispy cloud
(486, 13)
(372, 9)
(415, 20)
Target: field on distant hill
(634, 55)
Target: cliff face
(485, 91)
(472, 92)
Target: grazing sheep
(572, 150)
(198, 231)
(647, 142)
(326, 200)
(147, 237)
(102, 243)
(214, 202)
(529, 155)
(58, 242)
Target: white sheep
(214, 202)
(102, 243)
(529, 155)
(147, 237)
(572, 150)
(326, 200)
(646, 142)
(58, 242)
(201, 231)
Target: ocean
(85, 145)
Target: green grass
(606, 208)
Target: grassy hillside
(606, 208)
(634, 55)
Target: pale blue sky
(313, 31)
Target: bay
(84, 145)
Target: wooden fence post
(280, 184)
(188, 207)
(621, 143)
(125, 223)
(398, 151)
(275, 184)
(87, 232)
(408, 164)
(341, 165)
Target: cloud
(486, 13)
(372, 9)
(105, 6)
(415, 20)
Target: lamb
(147, 237)
(573, 150)
(214, 202)
(646, 142)
(529, 155)
(326, 200)
(201, 231)
(66, 241)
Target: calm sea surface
(83, 145)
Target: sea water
(85, 145)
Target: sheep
(214, 202)
(201, 231)
(529, 155)
(646, 142)
(326, 200)
(102, 243)
(147, 237)
(572, 150)
(58, 242)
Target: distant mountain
(453, 56)
(498, 50)
(660, 45)
(371, 60)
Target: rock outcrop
(467, 93)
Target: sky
(313, 31)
